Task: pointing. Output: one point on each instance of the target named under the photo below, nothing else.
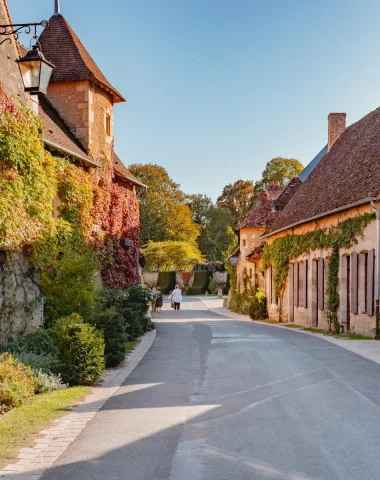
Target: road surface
(221, 399)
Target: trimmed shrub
(17, 383)
(213, 286)
(166, 281)
(258, 306)
(112, 324)
(47, 382)
(80, 350)
(132, 305)
(38, 342)
(200, 282)
(46, 363)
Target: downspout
(377, 275)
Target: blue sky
(216, 88)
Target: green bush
(38, 342)
(132, 305)
(200, 282)
(70, 286)
(166, 281)
(213, 287)
(48, 382)
(80, 350)
(46, 363)
(17, 383)
(112, 324)
(258, 307)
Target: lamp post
(35, 70)
(377, 255)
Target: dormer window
(108, 124)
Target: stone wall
(249, 239)
(21, 302)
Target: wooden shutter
(271, 284)
(295, 284)
(305, 284)
(370, 282)
(354, 282)
(321, 283)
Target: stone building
(77, 116)
(340, 187)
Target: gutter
(67, 151)
(316, 217)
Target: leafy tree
(281, 169)
(237, 198)
(200, 205)
(217, 234)
(164, 214)
(170, 256)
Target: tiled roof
(62, 47)
(255, 253)
(288, 193)
(122, 171)
(258, 216)
(348, 173)
(58, 135)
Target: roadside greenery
(171, 256)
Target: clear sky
(216, 88)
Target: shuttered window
(295, 284)
(354, 282)
(321, 283)
(370, 282)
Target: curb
(33, 462)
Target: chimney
(275, 182)
(337, 124)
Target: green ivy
(284, 249)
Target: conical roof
(62, 47)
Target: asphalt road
(223, 399)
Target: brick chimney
(337, 124)
(275, 182)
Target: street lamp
(35, 71)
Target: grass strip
(131, 345)
(20, 427)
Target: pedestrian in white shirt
(176, 298)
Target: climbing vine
(284, 249)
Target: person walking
(159, 300)
(176, 298)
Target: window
(250, 273)
(108, 124)
(244, 242)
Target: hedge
(166, 281)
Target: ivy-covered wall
(337, 236)
(32, 180)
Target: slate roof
(259, 215)
(122, 171)
(62, 47)
(288, 193)
(256, 253)
(310, 167)
(58, 135)
(348, 173)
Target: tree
(164, 214)
(217, 234)
(200, 204)
(281, 169)
(171, 256)
(237, 198)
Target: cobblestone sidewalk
(33, 462)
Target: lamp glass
(30, 72)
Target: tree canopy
(237, 198)
(281, 169)
(164, 214)
(171, 256)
